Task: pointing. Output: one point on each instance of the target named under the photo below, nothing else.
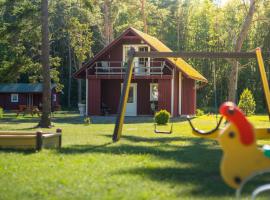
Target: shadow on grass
(111, 120)
(76, 119)
(18, 151)
(198, 162)
(205, 182)
(155, 139)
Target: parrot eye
(231, 134)
(231, 110)
(237, 180)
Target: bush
(87, 120)
(199, 112)
(162, 117)
(1, 112)
(247, 103)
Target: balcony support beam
(133, 77)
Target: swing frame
(163, 132)
(154, 54)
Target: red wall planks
(111, 91)
(5, 100)
(188, 96)
(164, 94)
(94, 96)
(144, 104)
(110, 94)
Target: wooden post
(124, 97)
(60, 137)
(264, 79)
(38, 140)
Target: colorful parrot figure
(241, 156)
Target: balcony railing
(120, 68)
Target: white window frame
(54, 97)
(151, 89)
(136, 47)
(14, 98)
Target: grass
(143, 165)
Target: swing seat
(163, 132)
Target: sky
(221, 2)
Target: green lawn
(143, 165)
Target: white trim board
(172, 94)
(180, 94)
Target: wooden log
(39, 141)
(17, 133)
(60, 137)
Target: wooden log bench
(28, 140)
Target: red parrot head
(239, 127)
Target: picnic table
(28, 110)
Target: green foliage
(87, 120)
(188, 25)
(1, 112)
(162, 117)
(80, 38)
(247, 102)
(199, 112)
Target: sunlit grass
(143, 165)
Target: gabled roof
(156, 44)
(179, 62)
(22, 87)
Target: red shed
(156, 83)
(14, 94)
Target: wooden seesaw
(28, 140)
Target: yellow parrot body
(239, 161)
(241, 156)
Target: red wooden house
(156, 83)
(14, 94)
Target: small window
(14, 98)
(54, 97)
(153, 91)
(125, 53)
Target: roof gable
(179, 62)
(156, 44)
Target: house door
(131, 109)
(30, 100)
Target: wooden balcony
(140, 69)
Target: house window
(153, 91)
(137, 47)
(54, 97)
(126, 48)
(14, 98)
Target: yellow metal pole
(124, 97)
(264, 78)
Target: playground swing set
(242, 159)
(261, 133)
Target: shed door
(131, 109)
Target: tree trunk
(80, 87)
(45, 121)
(238, 46)
(178, 33)
(145, 27)
(69, 75)
(108, 22)
(106, 8)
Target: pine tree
(247, 102)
